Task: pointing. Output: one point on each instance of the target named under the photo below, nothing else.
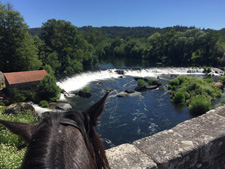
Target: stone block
(207, 132)
(127, 156)
(169, 150)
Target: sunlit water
(130, 118)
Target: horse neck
(57, 146)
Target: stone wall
(198, 143)
(18, 86)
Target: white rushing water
(79, 81)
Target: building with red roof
(23, 79)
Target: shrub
(181, 79)
(22, 95)
(179, 98)
(209, 80)
(44, 103)
(170, 87)
(222, 79)
(174, 82)
(150, 81)
(141, 82)
(192, 89)
(17, 96)
(199, 105)
(2, 104)
(62, 91)
(47, 89)
(30, 94)
(86, 90)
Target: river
(129, 118)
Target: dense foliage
(17, 49)
(67, 49)
(11, 153)
(197, 93)
(47, 89)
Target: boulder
(122, 94)
(109, 90)
(84, 94)
(157, 83)
(120, 72)
(100, 83)
(140, 88)
(129, 91)
(151, 87)
(18, 108)
(63, 106)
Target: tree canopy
(65, 48)
(17, 49)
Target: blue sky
(155, 13)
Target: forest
(67, 48)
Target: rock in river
(140, 88)
(63, 106)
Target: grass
(44, 103)
(11, 155)
(86, 90)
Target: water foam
(81, 80)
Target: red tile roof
(24, 77)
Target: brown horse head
(63, 140)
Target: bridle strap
(69, 122)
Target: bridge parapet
(198, 143)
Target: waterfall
(79, 81)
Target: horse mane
(48, 142)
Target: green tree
(52, 60)
(65, 42)
(47, 89)
(134, 48)
(17, 49)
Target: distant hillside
(131, 32)
(134, 32)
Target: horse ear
(24, 130)
(96, 110)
